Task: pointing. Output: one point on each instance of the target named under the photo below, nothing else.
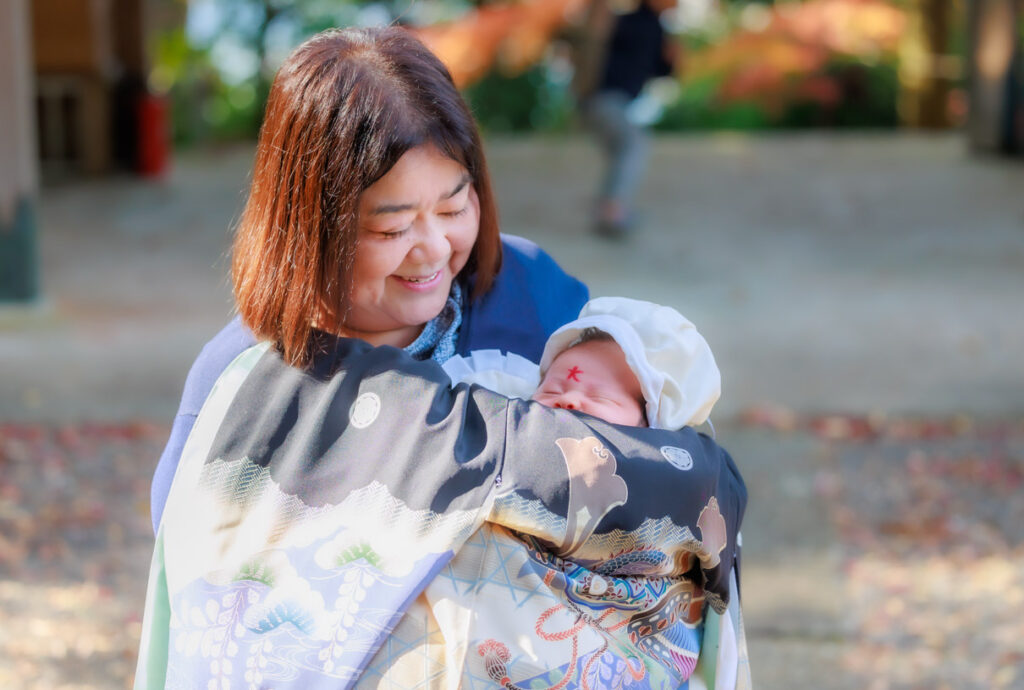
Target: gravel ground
(75, 544)
(933, 531)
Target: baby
(624, 361)
(630, 363)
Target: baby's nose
(569, 401)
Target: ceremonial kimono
(361, 524)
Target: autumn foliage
(785, 59)
(510, 37)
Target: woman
(297, 240)
(326, 495)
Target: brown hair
(591, 334)
(343, 108)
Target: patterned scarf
(438, 338)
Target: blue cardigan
(531, 297)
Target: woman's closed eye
(454, 214)
(391, 234)
(398, 232)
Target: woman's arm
(215, 356)
(595, 492)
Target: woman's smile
(422, 282)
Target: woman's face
(417, 227)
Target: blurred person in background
(322, 478)
(622, 49)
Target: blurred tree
(926, 72)
(816, 63)
(996, 75)
(531, 101)
(219, 70)
(813, 63)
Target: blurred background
(835, 196)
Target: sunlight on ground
(64, 637)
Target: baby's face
(594, 378)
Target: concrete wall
(18, 178)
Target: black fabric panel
(430, 446)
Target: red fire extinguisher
(154, 146)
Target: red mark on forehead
(574, 374)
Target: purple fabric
(531, 297)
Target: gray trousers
(624, 144)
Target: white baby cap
(673, 362)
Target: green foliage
(696, 109)
(209, 101)
(218, 81)
(868, 97)
(531, 101)
(204, 105)
(256, 570)
(361, 551)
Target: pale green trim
(709, 646)
(151, 671)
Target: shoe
(613, 220)
(612, 230)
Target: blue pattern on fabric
(244, 633)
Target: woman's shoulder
(213, 359)
(531, 297)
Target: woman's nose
(432, 243)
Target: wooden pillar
(925, 74)
(19, 183)
(129, 86)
